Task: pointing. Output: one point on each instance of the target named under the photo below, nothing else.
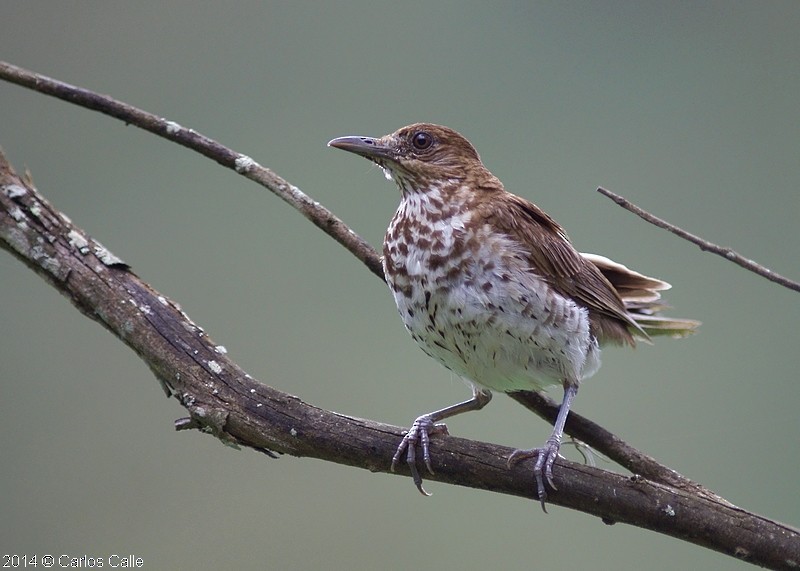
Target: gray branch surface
(225, 401)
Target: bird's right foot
(418, 435)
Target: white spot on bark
(244, 164)
(18, 240)
(78, 241)
(215, 367)
(105, 256)
(14, 190)
(173, 127)
(51, 265)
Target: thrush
(490, 286)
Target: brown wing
(553, 257)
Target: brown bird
(490, 286)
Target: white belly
(504, 334)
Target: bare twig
(704, 245)
(189, 138)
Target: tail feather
(642, 298)
(659, 326)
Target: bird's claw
(418, 435)
(543, 469)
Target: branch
(612, 446)
(191, 139)
(705, 245)
(609, 444)
(313, 211)
(223, 400)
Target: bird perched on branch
(490, 286)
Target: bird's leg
(425, 426)
(547, 454)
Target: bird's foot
(418, 435)
(543, 469)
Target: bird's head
(419, 155)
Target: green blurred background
(689, 109)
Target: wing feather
(553, 258)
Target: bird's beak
(364, 146)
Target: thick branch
(704, 244)
(610, 445)
(224, 400)
(613, 446)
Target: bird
(491, 287)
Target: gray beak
(365, 146)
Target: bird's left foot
(543, 469)
(418, 435)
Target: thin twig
(704, 245)
(191, 139)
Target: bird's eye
(421, 140)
